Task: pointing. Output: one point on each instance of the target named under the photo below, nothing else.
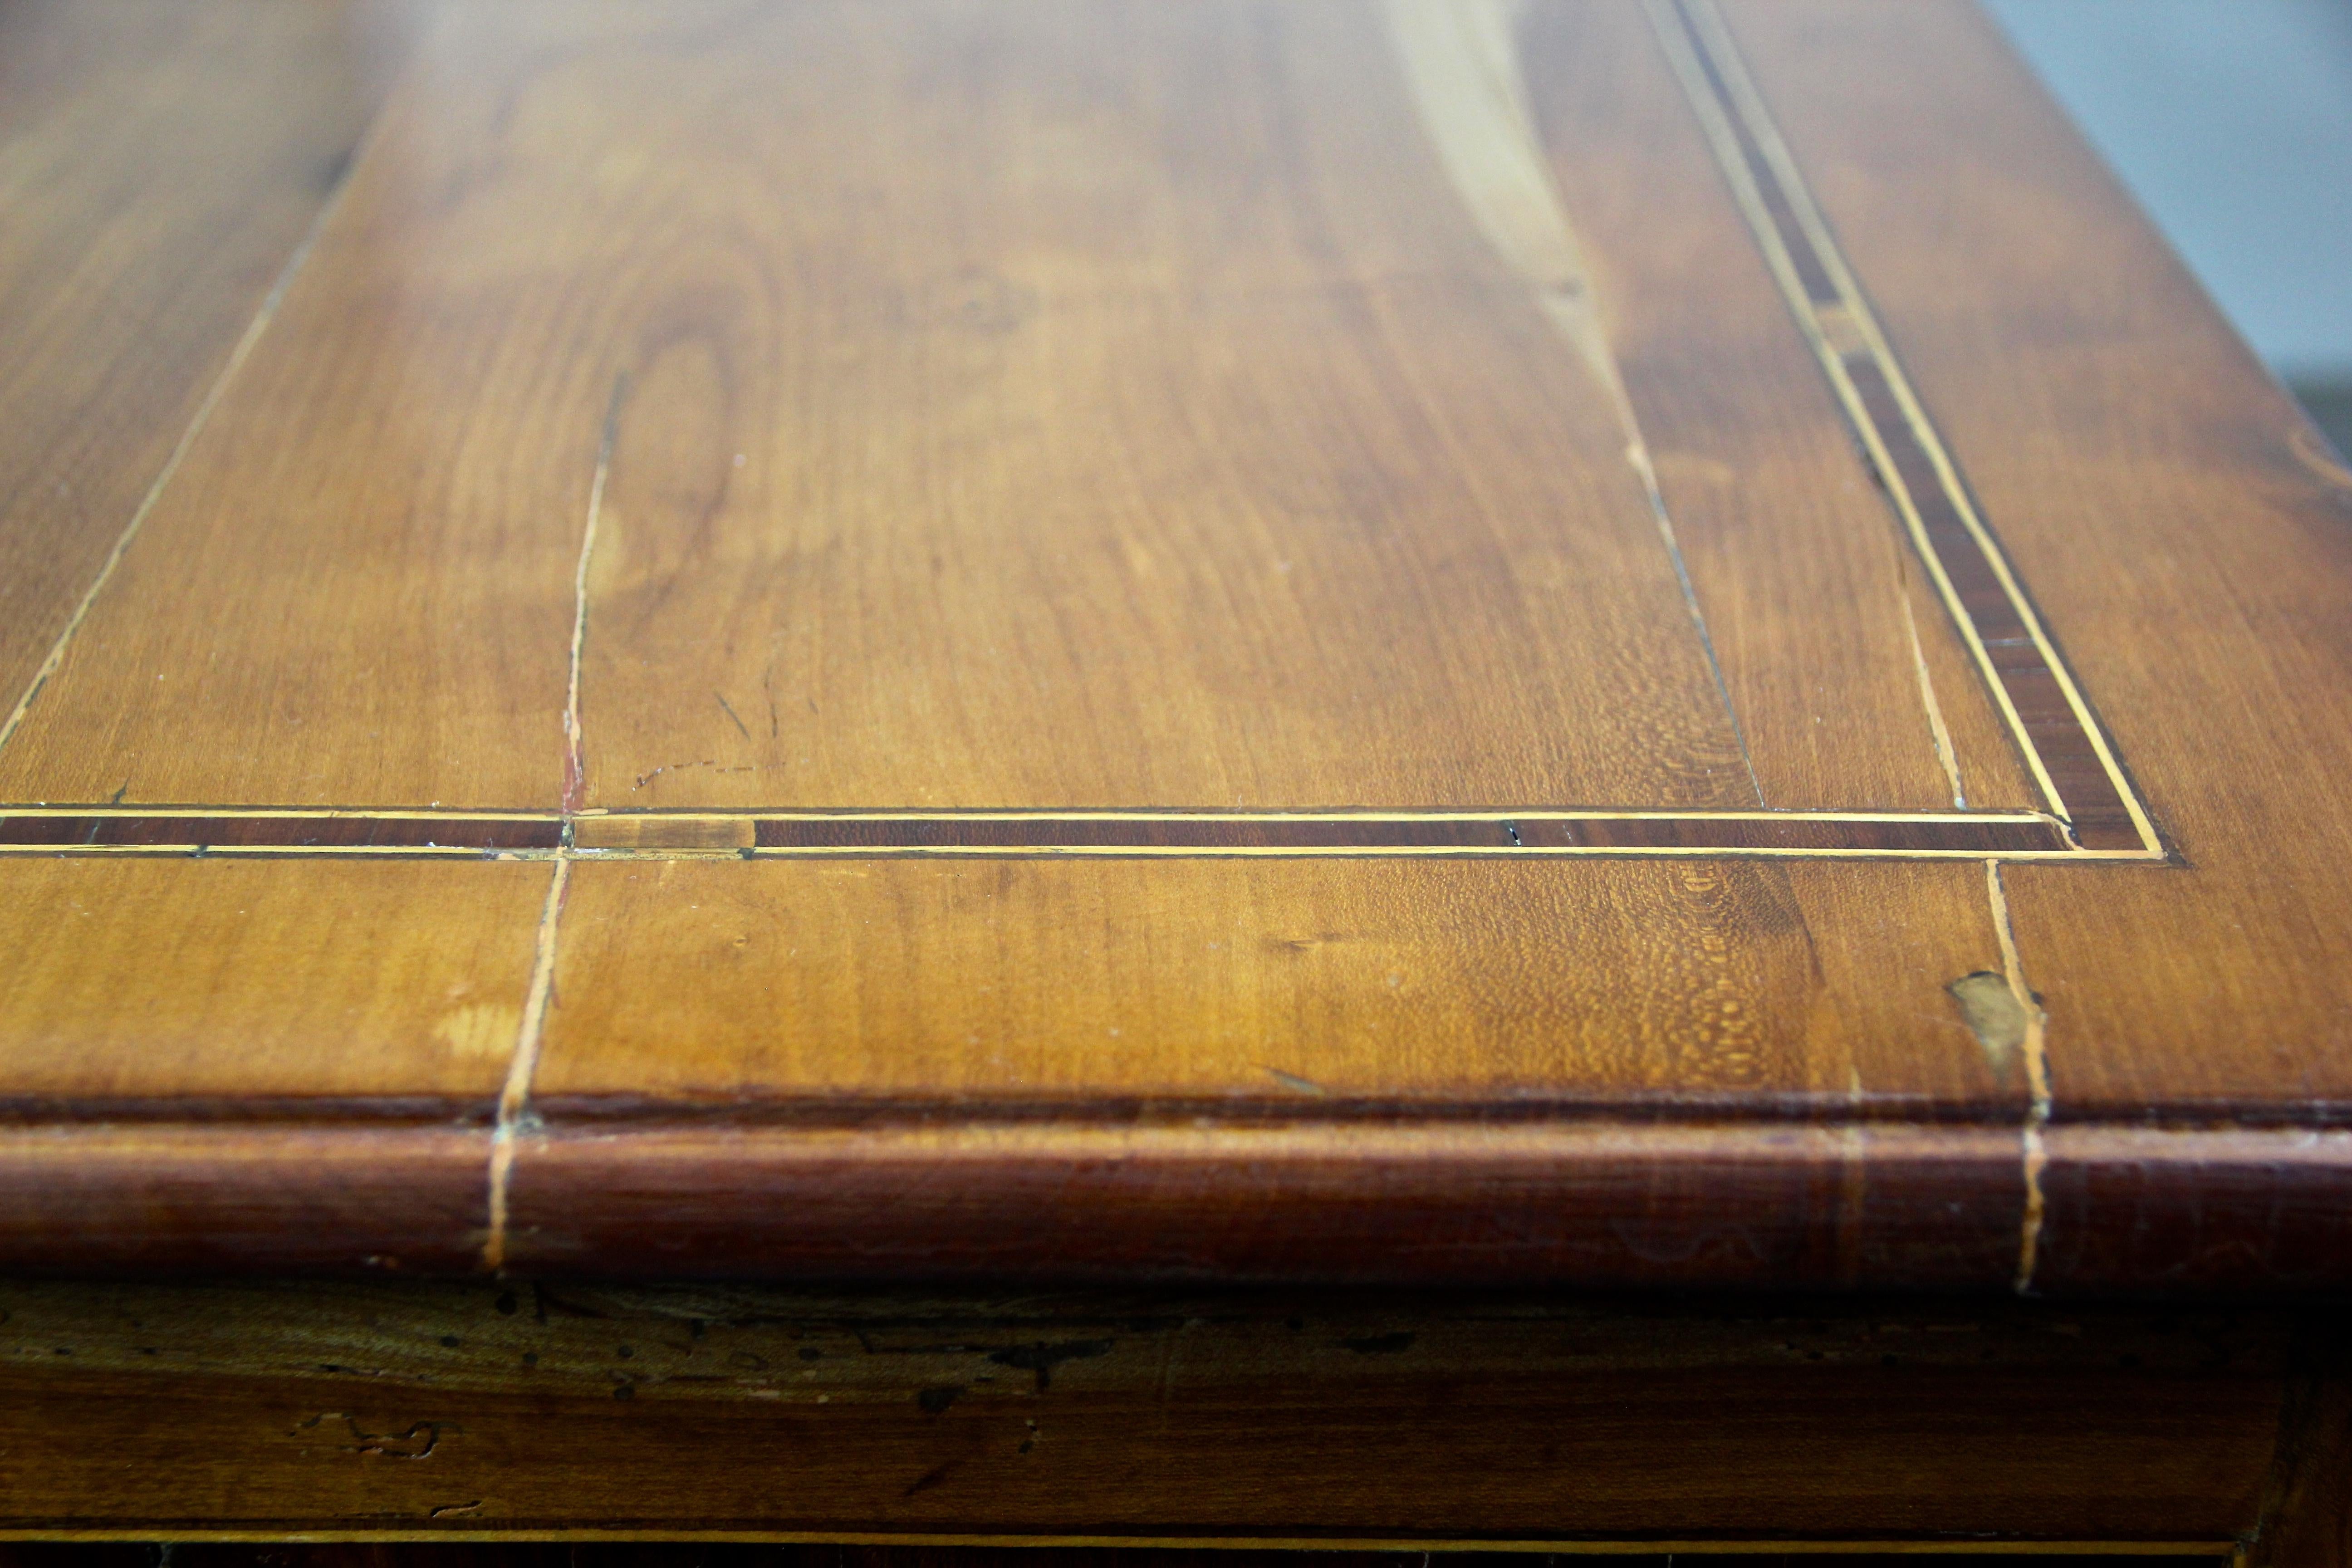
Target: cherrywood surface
(1634, 643)
(160, 163)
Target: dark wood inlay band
(193, 833)
(1501, 835)
(2087, 793)
(747, 833)
(2048, 718)
(2094, 806)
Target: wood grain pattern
(2175, 535)
(1240, 525)
(1029, 978)
(1755, 464)
(231, 982)
(150, 211)
(345, 503)
(1109, 639)
(1508, 1421)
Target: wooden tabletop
(1439, 639)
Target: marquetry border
(2071, 759)
(2092, 813)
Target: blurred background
(2231, 122)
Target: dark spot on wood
(1042, 1359)
(929, 1478)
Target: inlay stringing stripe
(199, 832)
(2094, 816)
(2070, 758)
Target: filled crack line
(2032, 1051)
(1937, 729)
(2022, 667)
(1461, 60)
(514, 1095)
(514, 1116)
(163, 476)
(576, 764)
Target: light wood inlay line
(1505, 834)
(1463, 71)
(2070, 758)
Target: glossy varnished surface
(1646, 643)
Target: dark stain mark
(506, 1304)
(1381, 1345)
(1042, 1359)
(935, 1401)
(545, 1301)
(930, 1478)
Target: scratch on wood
(2037, 1082)
(1461, 62)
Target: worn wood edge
(245, 1360)
(2305, 1520)
(242, 1197)
(2158, 1209)
(2218, 1213)
(1601, 1203)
